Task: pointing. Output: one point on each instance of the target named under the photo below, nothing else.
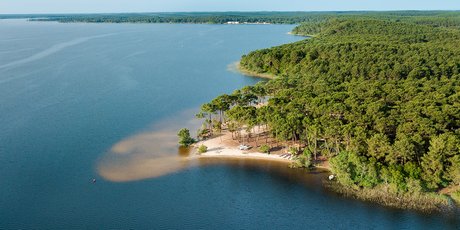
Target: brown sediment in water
(139, 167)
(152, 153)
(145, 142)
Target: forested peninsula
(375, 94)
(379, 98)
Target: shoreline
(251, 156)
(425, 202)
(240, 69)
(223, 146)
(300, 35)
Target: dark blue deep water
(103, 101)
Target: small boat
(244, 147)
(94, 180)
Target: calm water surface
(83, 101)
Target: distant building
(257, 23)
(248, 23)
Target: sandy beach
(224, 146)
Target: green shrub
(339, 166)
(185, 139)
(202, 149)
(264, 149)
(352, 169)
(304, 160)
(414, 186)
(293, 150)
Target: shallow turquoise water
(72, 93)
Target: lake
(105, 101)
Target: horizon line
(231, 11)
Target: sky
(118, 6)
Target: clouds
(107, 6)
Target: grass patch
(456, 197)
(383, 194)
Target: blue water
(83, 101)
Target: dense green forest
(184, 17)
(197, 18)
(378, 97)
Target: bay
(103, 101)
